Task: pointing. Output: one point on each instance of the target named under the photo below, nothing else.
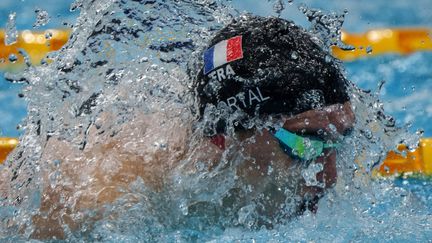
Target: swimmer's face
(268, 159)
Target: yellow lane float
(6, 146)
(34, 44)
(409, 162)
(384, 41)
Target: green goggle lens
(304, 148)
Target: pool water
(358, 209)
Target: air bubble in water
(11, 31)
(42, 18)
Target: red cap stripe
(234, 49)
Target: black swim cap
(268, 66)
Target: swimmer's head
(261, 66)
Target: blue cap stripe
(208, 60)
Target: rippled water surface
(127, 68)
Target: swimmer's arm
(340, 116)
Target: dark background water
(408, 78)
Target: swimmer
(285, 108)
(270, 70)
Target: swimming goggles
(304, 148)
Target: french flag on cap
(223, 52)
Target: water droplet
(278, 7)
(42, 18)
(144, 59)
(310, 174)
(386, 169)
(420, 132)
(368, 134)
(11, 31)
(184, 208)
(48, 35)
(13, 58)
(57, 162)
(200, 166)
(290, 2)
(409, 123)
(246, 215)
(369, 50)
(26, 57)
(270, 170)
(43, 62)
(332, 128)
(306, 121)
(321, 132)
(76, 5)
(294, 55)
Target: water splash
(42, 18)
(11, 31)
(327, 27)
(280, 5)
(123, 73)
